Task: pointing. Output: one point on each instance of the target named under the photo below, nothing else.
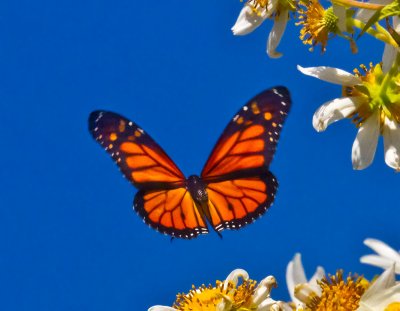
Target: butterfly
(235, 186)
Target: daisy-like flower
(317, 23)
(255, 12)
(385, 258)
(336, 292)
(295, 275)
(352, 293)
(230, 295)
(372, 100)
(383, 294)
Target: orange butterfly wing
(138, 156)
(171, 212)
(162, 202)
(239, 185)
(237, 202)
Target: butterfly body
(235, 186)
(197, 189)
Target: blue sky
(70, 239)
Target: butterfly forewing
(139, 157)
(248, 143)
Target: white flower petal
(396, 23)
(364, 14)
(318, 275)
(381, 300)
(340, 12)
(388, 57)
(268, 305)
(335, 110)
(161, 308)
(382, 249)
(330, 74)
(384, 281)
(295, 275)
(391, 140)
(263, 289)
(381, 292)
(303, 291)
(276, 34)
(378, 261)
(234, 277)
(249, 20)
(364, 146)
(390, 52)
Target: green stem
(384, 31)
(380, 33)
(358, 4)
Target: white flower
(295, 275)
(255, 12)
(372, 100)
(385, 258)
(383, 293)
(223, 297)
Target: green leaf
(392, 9)
(374, 19)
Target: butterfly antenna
(172, 238)
(219, 234)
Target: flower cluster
(322, 292)
(371, 96)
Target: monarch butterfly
(235, 186)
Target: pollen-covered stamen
(258, 6)
(338, 293)
(258, 3)
(208, 298)
(317, 23)
(382, 92)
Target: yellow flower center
(317, 23)
(337, 293)
(207, 298)
(395, 306)
(382, 91)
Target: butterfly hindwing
(139, 157)
(235, 203)
(248, 143)
(171, 212)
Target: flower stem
(357, 4)
(380, 33)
